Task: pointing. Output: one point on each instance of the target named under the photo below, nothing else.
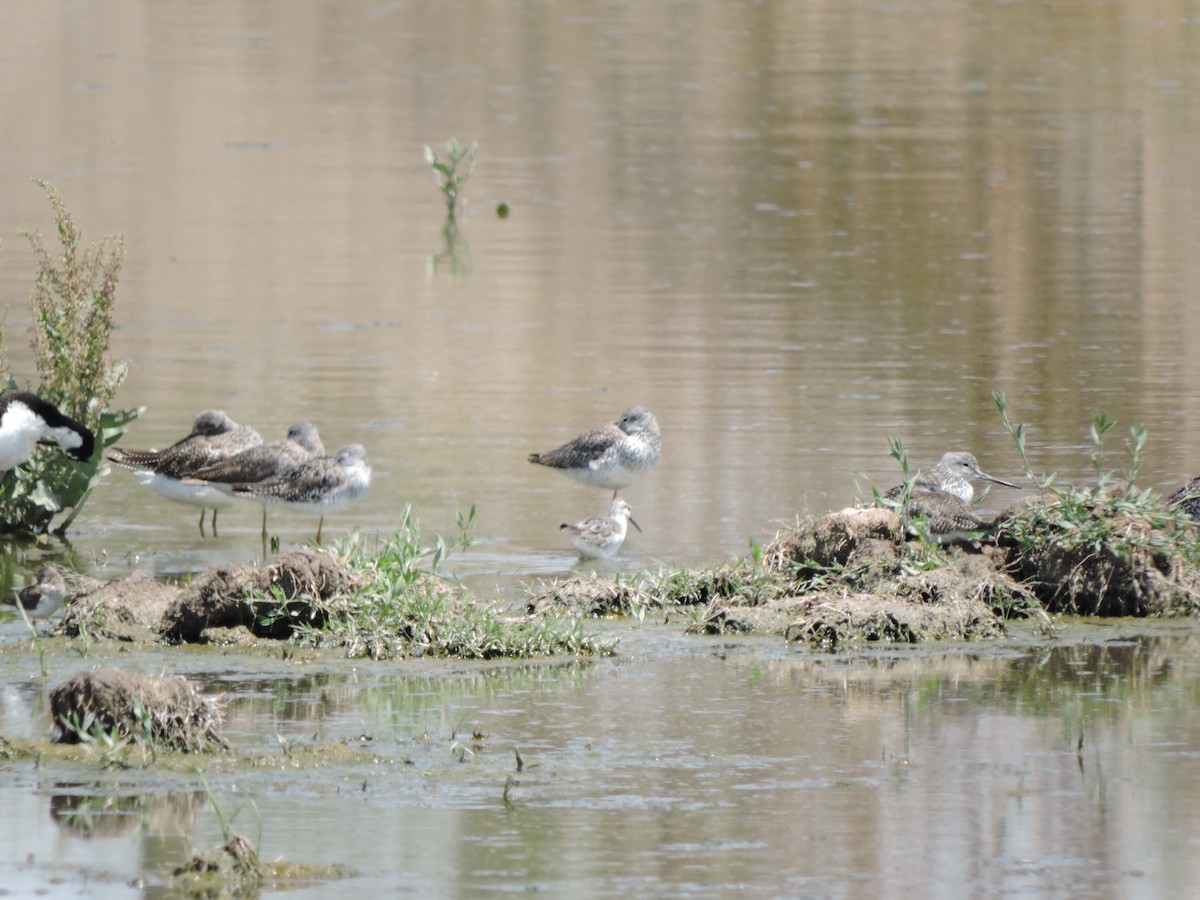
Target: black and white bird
(27, 420)
(263, 462)
(44, 597)
(318, 486)
(600, 537)
(214, 437)
(612, 456)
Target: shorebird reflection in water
(214, 436)
(613, 456)
(263, 462)
(318, 486)
(942, 498)
(44, 597)
(600, 537)
(27, 420)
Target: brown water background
(792, 229)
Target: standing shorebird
(953, 474)
(614, 456)
(262, 462)
(214, 436)
(27, 420)
(44, 597)
(600, 537)
(319, 486)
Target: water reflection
(687, 763)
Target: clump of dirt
(130, 609)
(165, 712)
(1101, 555)
(234, 865)
(250, 597)
(592, 596)
(831, 620)
(235, 870)
(844, 538)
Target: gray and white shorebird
(600, 537)
(942, 497)
(319, 485)
(953, 474)
(27, 420)
(44, 597)
(262, 462)
(214, 437)
(614, 456)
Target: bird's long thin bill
(998, 480)
(634, 524)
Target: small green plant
(451, 172)
(72, 305)
(408, 608)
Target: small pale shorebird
(214, 436)
(262, 462)
(600, 537)
(613, 456)
(44, 597)
(319, 485)
(27, 420)
(942, 497)
(953, 474)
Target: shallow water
(790, 229)
(681, 766)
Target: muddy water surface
(680, 766)
(792, 230)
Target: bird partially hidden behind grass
(214, 436)
(319, 485)
(263, 463)
(612, 456)
(600, 537)
(942, 498)
(1187, 498)
(44, 597)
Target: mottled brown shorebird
(214, 436)
(942, 497)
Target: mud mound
(298, 587)
(160, 712)
(1099, 553)
(592, 596)
(838, 539)
(130, 609)
(831, 620)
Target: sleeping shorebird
(27, 420)
(600, 537)
(43, 598)
(214, 436)
(319, 485)
(613, 456)
(262, 462)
